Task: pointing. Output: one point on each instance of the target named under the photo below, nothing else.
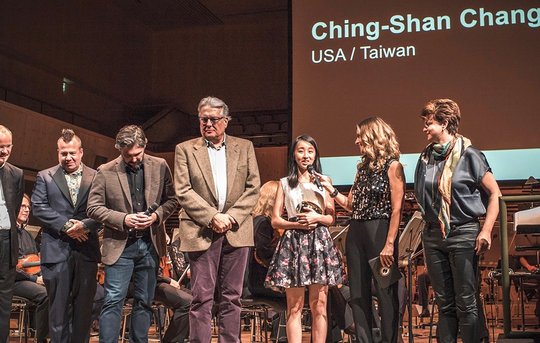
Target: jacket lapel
(86, 181)
(60, 180)
(9, 193)
(149, 176)
(122, 178)
(200, 153)
(233, 155)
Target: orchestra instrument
(100, 275)
(30, 264)
(165, 264)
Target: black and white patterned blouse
(371, 194)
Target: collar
(76, 173)
(213, 146)
(130, 169)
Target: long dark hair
(292, 178)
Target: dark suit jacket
(52, 205)
(110, 201)
(13, 187)
(195, 188)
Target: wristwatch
(334, 193)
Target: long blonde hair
(267, 198)
(379, 143)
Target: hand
(131, 220)
(139, 221)
(77, 231)
(221, 222)
(387, 255)
(175, 284)
(483, 242)
(303, 226)
(308, 217)
(144, 221)
(325, 182)
(39, 281)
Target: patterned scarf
(451, 152)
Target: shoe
(350, 330)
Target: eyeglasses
(214, 120)
(26, 207)
(6, 147)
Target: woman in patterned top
(454, 186)
(375, 201)
(305, 255)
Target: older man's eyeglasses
(213, 120)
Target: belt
(134, 235)
(452, 226)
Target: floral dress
(304, 257)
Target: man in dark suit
(134, 236)
(11, 193)
(69, 242)
(217, 184)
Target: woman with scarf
(454, 187)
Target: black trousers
(71, 286)
(37, 295)
(422, 287)
(179, 301)
(7, 278)
(452, 267)
(365, 240)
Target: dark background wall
(124, 61)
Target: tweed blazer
(13, 188)
(195, 188)
(109, 202)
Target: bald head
(6, 143)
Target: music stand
(338, 234)
(408, 243)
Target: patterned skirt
(303, 258)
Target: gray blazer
(195, 189)
(110, 201)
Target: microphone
(151, 209)
(310, 170)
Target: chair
(431, 323)
(156, 310)
(257, 308)
(20, 306)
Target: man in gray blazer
(132, 196)
(11, 193)
(217, 184)
(69, 242)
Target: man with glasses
(11, 194)
(217, 185)
(69, 241)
